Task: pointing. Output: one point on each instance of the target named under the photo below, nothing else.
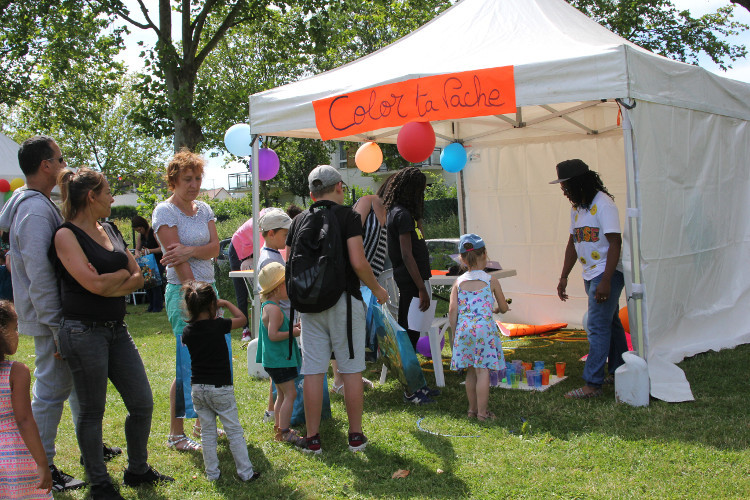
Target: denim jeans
(53, 385)
(606, 334)
(240, 288)
(95, 354)
(209, 402)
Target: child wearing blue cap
(476, 343)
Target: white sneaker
(268, 416)
(246, 335)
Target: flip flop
(609, 379)
(580, 394)
(471, 415)
(487, 416)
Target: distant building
(215, 194)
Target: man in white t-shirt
(595, 241)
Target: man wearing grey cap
(326, 331)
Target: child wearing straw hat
(273, 349)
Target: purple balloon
(268, 164)
(423, 346)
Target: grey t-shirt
(192, 231)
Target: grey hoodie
(32, 219)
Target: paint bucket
(631, 380)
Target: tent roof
(9, 168)
(559, 55)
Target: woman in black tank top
(96, 272)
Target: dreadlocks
(407, 189)
(581, 189)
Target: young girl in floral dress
(24, 472)
(476, 344)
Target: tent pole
(255, 141)
(460, 189)
(633, 218)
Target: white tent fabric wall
(691, 141)
(525, 220)
(694, 187)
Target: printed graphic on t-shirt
(593, 210)
(416, 230)
(586, 233)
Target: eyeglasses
(60, 160)
(344, 187)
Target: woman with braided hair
(407, 249)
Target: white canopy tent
(9, 168)
(674, 156)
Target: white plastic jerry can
(631, 380)
(254, 369)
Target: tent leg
(256, 232)
(633, 217)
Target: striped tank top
(375, 242)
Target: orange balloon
(369, 157)
(624, 318)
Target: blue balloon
(453, 157)
(237, 139)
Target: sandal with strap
(487, 416)
(471, 415)
(337, 389)
(581, 394)
(181, 442)
(290, 436)
(197, 432)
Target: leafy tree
(58, 57)
(658, 26)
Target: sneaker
(418, 398)
(105, 492)
(62, 481)
(430, 393)
(268, 416)
(246, 335)
(312, 445)
(252, 478)
(109, 452)
(151, 476)
(357, 441)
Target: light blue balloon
(237, 139)
(453, 157)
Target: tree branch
(200, 21)
(150, 23)
(225, 25)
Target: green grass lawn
(570, 449)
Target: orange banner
(443, 97)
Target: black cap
(568, 169)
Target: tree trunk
(188, 132)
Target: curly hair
(7, 316)
(180, 162)
(406, 188)
(582, 189)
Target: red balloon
(4, 186)
(416, 141)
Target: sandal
(181, 442)
(581, 394)
(471, 414)
(290, 436)
(337, 389)
(609, 379)
(197, 432)
(487, 416)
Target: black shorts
(281, 375)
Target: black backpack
(316, 266)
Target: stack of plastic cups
(539, 365)
(545, 376)
(501, 374)
(537, 379)
(530, 377)
(493, 378)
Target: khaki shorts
(325, 332)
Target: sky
(216, 176)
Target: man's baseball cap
(274, 218)
(322, 177)
(568, 169)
